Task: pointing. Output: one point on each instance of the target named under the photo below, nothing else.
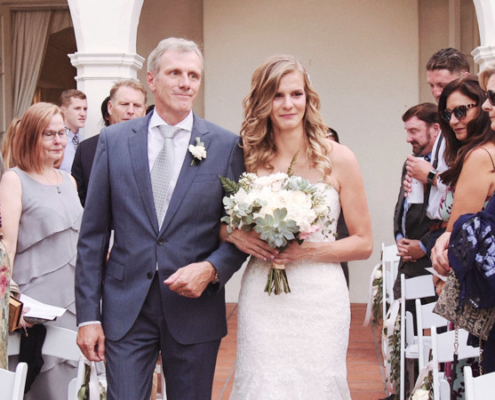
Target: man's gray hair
(177, 44)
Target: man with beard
(421, 123)
(442, 68)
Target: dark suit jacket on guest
(416, 225)
(81, 167)
(120, 196)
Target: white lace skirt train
(293, 346)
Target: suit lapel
(138, 149)
(188, 171)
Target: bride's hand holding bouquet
(282, 209)
(250, 243)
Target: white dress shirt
(437, 192)
(69, 152)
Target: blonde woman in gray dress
(41, 217)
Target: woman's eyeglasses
(459, 112)
(50, 135)
(490, 95)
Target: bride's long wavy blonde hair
(257, 130)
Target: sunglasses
(459, 112)
(490, 95)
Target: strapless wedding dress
(294, 346)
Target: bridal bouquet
(281, 207)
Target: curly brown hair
(257, 129)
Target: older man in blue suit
(162, 288)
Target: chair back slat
(479, 388)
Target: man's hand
(409, 249)
(91, 341)
(407, 183)
(418, 168)
(191, 280)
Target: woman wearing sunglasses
(470, 155)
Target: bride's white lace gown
(294, 346)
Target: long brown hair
(257, 129)
(478, 129)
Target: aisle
(364, 371)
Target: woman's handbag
(477, 321)
(468, 297)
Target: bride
(294, 346)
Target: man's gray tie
(162, 169)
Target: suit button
(149, 275)
(160, 242)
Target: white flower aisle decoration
(198, 152)
(394, 348)
(425, 392)
(281, 207)
(377, 297)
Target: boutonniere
(198, 152)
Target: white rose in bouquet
(281, 208)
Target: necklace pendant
(58, 190)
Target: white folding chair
(442, 346)
(479, 388)
(390, 266)
(411, 289)
(425, 319)
(59, 342)
(13, 383)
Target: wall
(362, 57)
(165, 18)
(434, 35)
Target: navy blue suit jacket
(81, 166)
(120, 195)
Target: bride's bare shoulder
(341, 155)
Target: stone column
(485, 53)
(106, 49)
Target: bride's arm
(248, 242)
(359, 244)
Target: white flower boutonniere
(198, 152)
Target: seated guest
(41, 218)
(127, 101)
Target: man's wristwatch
(430, 178)
(216, 279)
